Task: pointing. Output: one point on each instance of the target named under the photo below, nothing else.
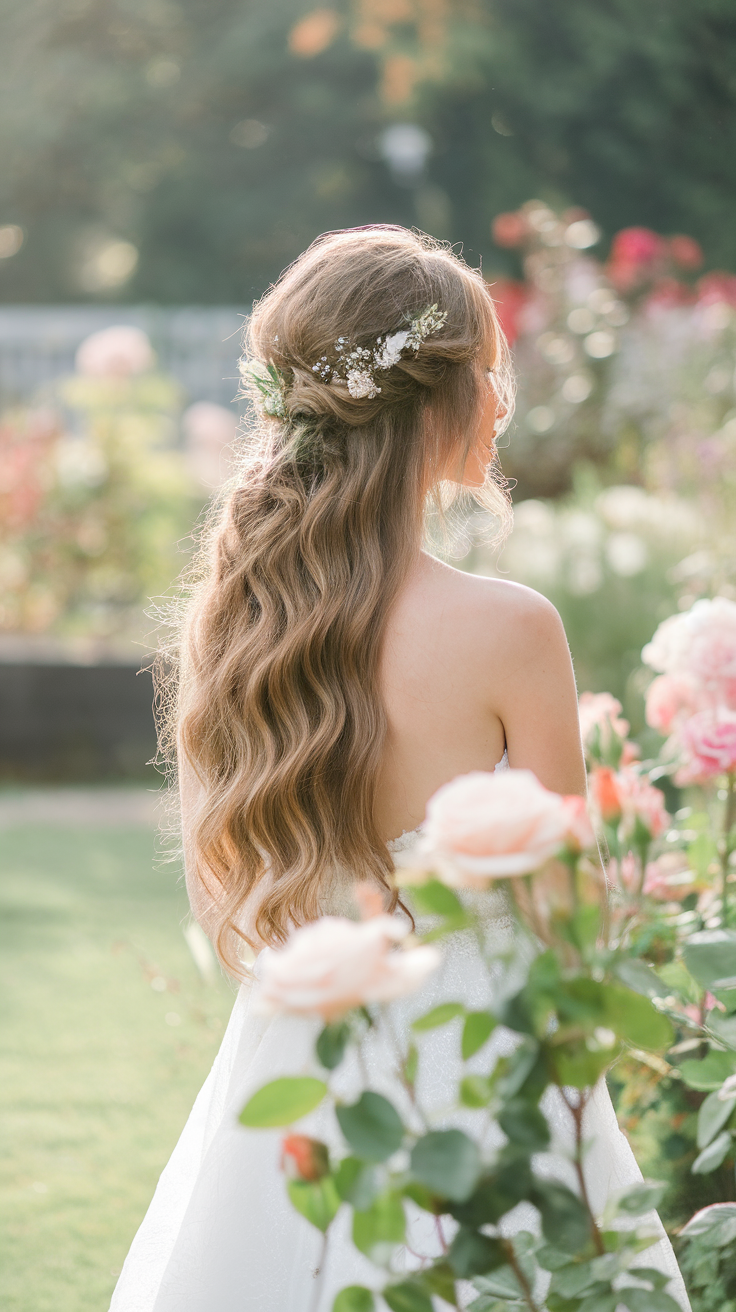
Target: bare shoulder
(493, 610)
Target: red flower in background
(510, 298)
(635, 255)
(605, 793)
(509, 229)
(717, 286)
(670, 292)
(686, 252)
(304, 1158)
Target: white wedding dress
(220, 1234)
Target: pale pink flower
(115, 352)
(708, 743)
(484, 826)
(669, 698)
(641, 800)
(603, 711)
(700, 645)
(580, 834)
(668, 879)
(334, 964)
(626, 871)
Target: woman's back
(471, 666)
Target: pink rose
(637, 246)
(303, 1158)
(641, 800)
(489, 826)
(708, 741)
(686, 251)
(601, 711)
(115, 353)
(669, 697)
(699, 646)
(580, 834)
(334, 964)
(668, 879)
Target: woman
(333, 676)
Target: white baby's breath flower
(361, 384)
(388, 352)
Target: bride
(332, 677)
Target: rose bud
(303, 1158)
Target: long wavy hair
(277, 707)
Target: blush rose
(328, 967)
(484, 826)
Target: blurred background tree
(185, 152)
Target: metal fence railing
(197, 345)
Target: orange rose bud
(303, 1158)
(605, 793)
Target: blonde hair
(277, 708)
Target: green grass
(98, 1074)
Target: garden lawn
(108, 1031)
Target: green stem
(577, 1111)
(319, 1274)
(729, 819)
(513, 1262)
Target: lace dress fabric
(220, 1234)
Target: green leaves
(640, 1198)
(447, 1162)
(478, 1028)
(715, 1224)
(356, 1182)
(317, 1200)
(372, 1127)
(436, 899)
(565, 1221)
(407, 1296)
(710, 1072)
(282, 1102)
(712, 1116)
(474, 1254)
(447, 1011)
(380, 1227)
(331, 1044)
(710, 956)
(525, 1125)
(356, 1298)
(712, 1156)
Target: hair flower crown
(356, 366)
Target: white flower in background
(116, 352)
(727, 1090)
(328, 967)
(627, 554)
(79, 463)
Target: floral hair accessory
(271, 385)
(357, 365)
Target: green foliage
(317, 1200)
(478, 1028)
(440, 1015)
(710, 956)
(372, 1127)
(378, 1228)
(407, 1296)
(447, 1162)
(283, 1101)
(331, 1044)
(473, 1254)
(355, 1298)
(356, 1183)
